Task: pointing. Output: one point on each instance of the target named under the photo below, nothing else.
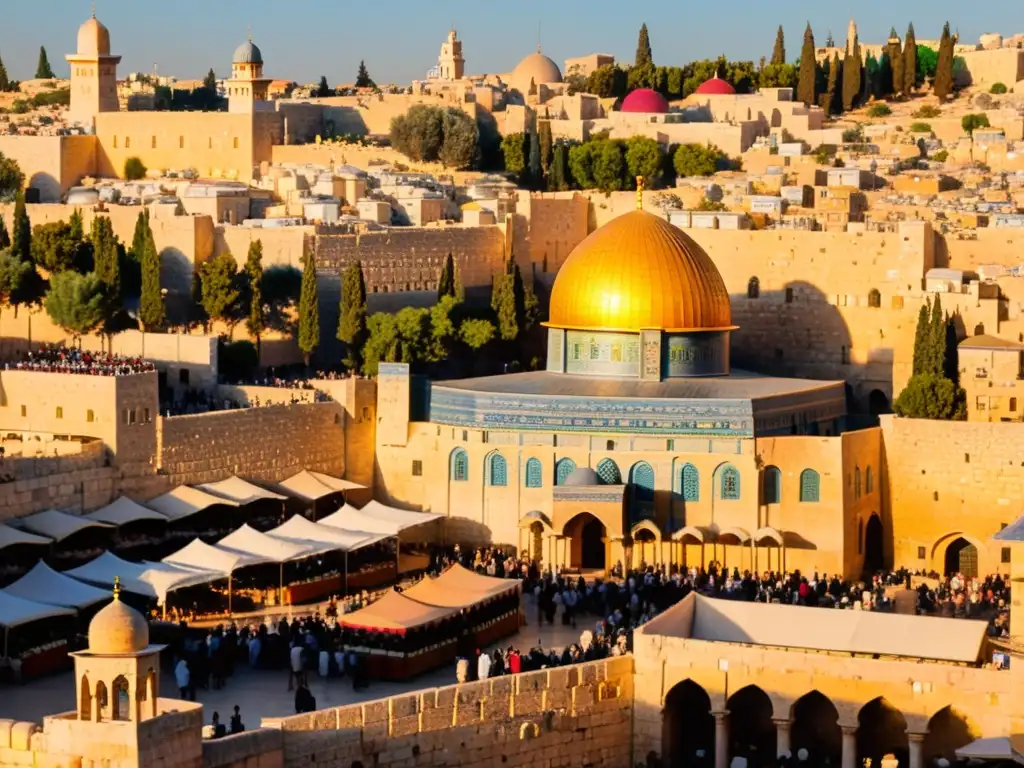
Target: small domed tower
(450, 64)
(247, 84)
(93, 74)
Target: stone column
(849, 746)
(721, 739)
(916, 743)
(782, 727)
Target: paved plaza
(265, 693)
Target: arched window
(460, 466)
(497, 470)
(563, 469)
(534, 473)
(120, 705)
(753, 288)
(609, 473)
(771, 486)
(689, 483)
(101, 700)
(869, 481)
(730, 483)
(856, 482)
(641, 476)
(874, 298)
(810, 485)
(85, 701)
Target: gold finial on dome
(639, 193)
(117, 587)
(94, 9)
(249, 32)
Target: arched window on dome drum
(730, 483)
(641, 477)
(120, 704)
(534, 473)
(856, 482)
(563, 469)
(609, 473)
(497, 470)
(753, 288)
(459, 466)
(689, 483)
(771, 486)
(810, 486)
(869, 481)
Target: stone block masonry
(569, 717)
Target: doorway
(873, 555)
(587, 535)
(961, 557)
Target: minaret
(851, 37)
(451, 65)
(247, 84)
(93, 74)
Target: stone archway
(948, 730)
(878, 403)
(874, 553)
(587, 536)
(751, 730)
(881, 731)
(687, 726)
(961, 556)
(816, 729)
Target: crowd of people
(57, 358)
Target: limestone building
(450, 64)
(93, 73)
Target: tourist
(483, 665)
(295, 663)
(184, 681)
(218, 730)
(236, 721)
(304, 700)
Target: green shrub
(927, 111)
(998, 88)
(134, 169)
(972, 122)
(941, 156)
(920, 128)
(853, 135)
(879, 109)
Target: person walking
(184, 680)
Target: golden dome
(118, 629)
(93, 39)
(536, 68)
(636, 272)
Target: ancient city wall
(572, 716)
(267, 444)
(261, 748)
(948, 477)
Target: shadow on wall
(47, 188)
(796, 332)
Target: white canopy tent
(15, 611)
(199, 554)
(45, 585)
(123, 511)
(240, 491)
(336, 483)
(306, 487)
(58, 525)
(270, 549)
(10, 537)
(184, 501)
(404, 517)
(299, 530)
(376, 518)
(996, 748)
(149, 579)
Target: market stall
(141, 531)
(258, 507)
(324, 494)
(197, 554)
(19, 550)
(76, 539)
(196, 514)
(35, 637)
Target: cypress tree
(107, 264)
(896, 61)
(138, 248)
(808, 70)
(936, 339)
(309, 309)
(5, 238)
(210, 81)
(833, 98)
(503, 301)
(21, 237)
(363, 79)
(536, 171)
(5, 82)
(910, 61)
(779, 51)
(884, 74)
(446, 283)
(921, 339)
(43, 70)
(851, 86)
(460, 290)
(151, 300)
(943, 83)
(951, 360)
(256, 321)
(77, 228)
(644, 56)
(546, 145)
(558, 175)
(352, 317)
(858, 71)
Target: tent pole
(344, 576)
(229, 595)
(281, 582)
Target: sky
(400, 39)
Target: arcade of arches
(754, 727)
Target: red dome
(644, 100)
(716, 86)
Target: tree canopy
(11, 178)
(220, 292)
(151, 302)
(309, 309)
(933, 391)
(76, 303)
(43, 69)
(806, 85)
(644, 56)
(431, 133)
(256, 319)
(697, 160)
(363, 79)
(779, 50)
(352, 314)
(942, 85)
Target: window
(690, 483)
(24, 411)
(810, 486)
(920, 553)
(465, 435)
(730, 483)
(460, 466)
(181, 142)
(789, 295)
(844, 355)
(145, 416)
(563, 469)
(641, 476)
(609, 473)
(209, 143)
(127, 142)
(869, 481)
(131, 416)
(1004, 555)
(771, 486)
(609, 445)
(1013, 404)
(90, 416)
(856, 482)
(234, 143)
(497, 470)
(753, 288)
(115, 142)
(183, 376)
(417, 468)
(860, 537)
(534, 473)
(152, 143)
(874, 298)
(60, 412)
(364, 413)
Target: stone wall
(262, 748)
(267, 444)
(568, 716)
(951, 479)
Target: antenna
(250, 33)
(94, 9)
(538, 35)
(639, 193)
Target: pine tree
(352, 314)
(779, 51)
(323, 90)
(21, 237)
(446, 283)
(5, 82)
(910, 62)
(546, 145)
(943, 83)
(805, 89)
(43, 70)
(256, 321)
(151, 302)
(536, 172)
(644, 57)
(5, 238)
(363, 79)
(309, 309)
(921, 339)
(210, 81)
